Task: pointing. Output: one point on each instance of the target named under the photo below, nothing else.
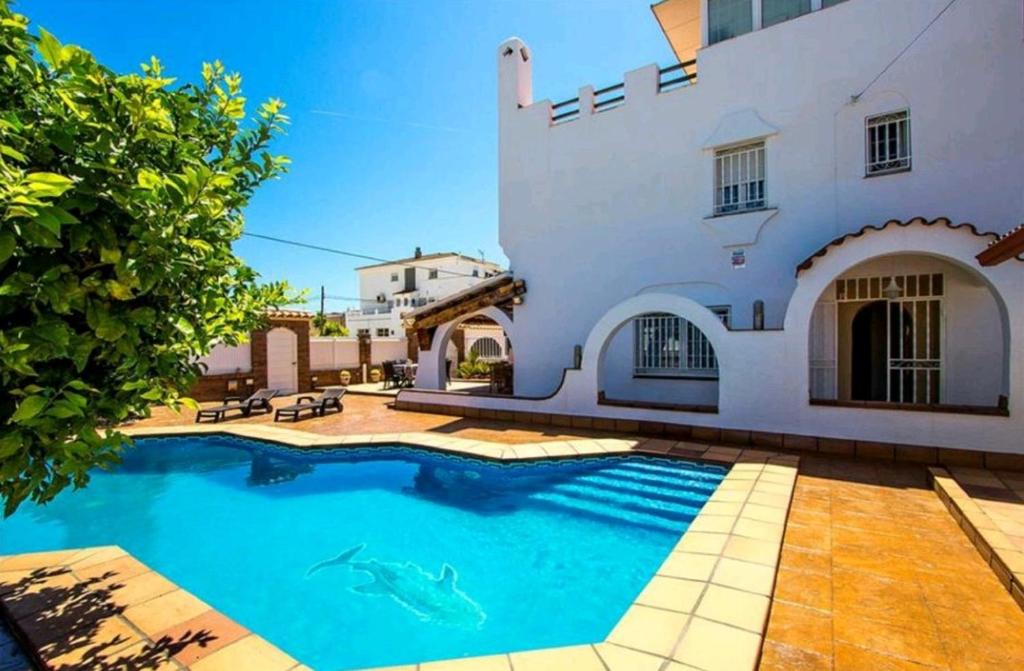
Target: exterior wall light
(892, 290)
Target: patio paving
(874, 573)
(372, 414)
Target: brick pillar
(364, 355)
(302, 351)
(258, 355)
(459, 338)
(412, 347)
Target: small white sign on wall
(739, 258)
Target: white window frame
(740, 178)
(887, 159)
(679, 349)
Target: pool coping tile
(704, 609)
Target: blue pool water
(434, 556)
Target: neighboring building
(389, 290)
(777, 235)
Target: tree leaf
(29, 408)
(50, 48)
(7, 245)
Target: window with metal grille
(887, 143)
(739, 178)
(432, 274)
(670, 346)
(486, 348)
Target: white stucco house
(388, 290)
(779, 235)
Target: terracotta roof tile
(809, 261)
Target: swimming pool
(386, 555)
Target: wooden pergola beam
(425, 326)
(1005, 248)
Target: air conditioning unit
(382, 298)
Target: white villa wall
(333, 353)
(614, 204)
(228, 359)
(607, 217)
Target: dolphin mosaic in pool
(437, 600)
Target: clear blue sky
(393, 137)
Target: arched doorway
(282, 360)
(447, 364)
(868, 353)
(909, 328)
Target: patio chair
(258, 402)
(329, 399)
(388, 373)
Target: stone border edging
(980, 529)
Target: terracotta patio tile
(78, 643)
(801, 559)
(851, 658)
(200, 636)
(119, 569)
(165, 611)
(815, 537)
(34, 560)
(800, 627)
(251, 653)
(919, 644)
(778, 657)
(813, 590)
(137, 589)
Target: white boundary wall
(226, 359)
(385, 349)
(333, 353)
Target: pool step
(681, 471)
(632, 478)
(681, 492)
(638, 501)
(607, 512)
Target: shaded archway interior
(658, 360)
(911, 330)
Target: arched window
(486, 348)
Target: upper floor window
(432, 274)
(739, 178)
(476, 272)
(383, 333)
(777, 11)
(729, 18)
(394, 277)
(887, 143)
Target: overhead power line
(354, 255)
(856, 96)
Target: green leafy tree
(120, 196)
(326, 327)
